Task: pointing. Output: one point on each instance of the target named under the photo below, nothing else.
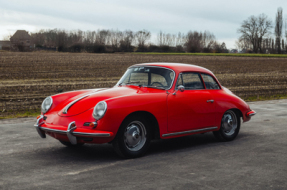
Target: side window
(209, 82)
(190, 81)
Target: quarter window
(190, 81)
(209, 82)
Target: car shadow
(177, 144)
(105, 152)
(189, 142)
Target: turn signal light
(38, 116)
(93, 124)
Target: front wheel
(230, 126)
(133, 137)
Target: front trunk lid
(85, 102)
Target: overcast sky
(220, 17)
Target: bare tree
(142, 37)
(243, 44)
(126, 41)
(223, 46)
(62, 40)
(163, 39)
(180, 39)
(201, 42)
(254, 29)
(208, 41)
(278, 28)
(160, 38)
(194, 41)
(102, 37)
(115, 39)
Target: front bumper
(72, 131)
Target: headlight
(46, 105)
(100, 110)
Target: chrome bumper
(70, 131)
(38, 124)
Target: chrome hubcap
(135, 136)
(229, 123)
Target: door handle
(210, 101)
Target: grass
(263, 98)
(12, 115)
(220, 54)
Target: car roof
(178, 67)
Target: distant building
(234, 51)
(5, 45)
(21, 41)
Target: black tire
(68, 144)
(133, 137)
(229, 128)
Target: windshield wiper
(131, 82)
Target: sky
(221, 17)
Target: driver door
(190, 109)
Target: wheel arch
(150, 117)
(237, 111)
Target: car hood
(88, 100)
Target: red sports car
(150, 101)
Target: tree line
(256, 34)
(102, 41)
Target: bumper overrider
(72, 131)
(250, 113)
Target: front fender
(120, 108)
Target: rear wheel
(230, 126)
(133, 137)
(68, 144)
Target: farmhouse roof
(21, 35)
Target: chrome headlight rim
(43, 110)
(104, 112)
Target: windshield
(154, 77)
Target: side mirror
(179, 88)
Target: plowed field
(27, 78)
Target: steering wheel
(157, 83)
